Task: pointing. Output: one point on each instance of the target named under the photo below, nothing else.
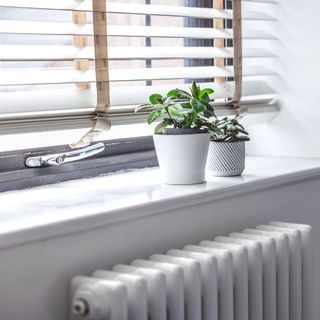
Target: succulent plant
(228, 130)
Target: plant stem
(173, 121)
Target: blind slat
(125, 8)
(258, 16)
(169, 10)
(127, 53)
(221, 90)
(31, 99)
(257, 34)
(45, 76)
(170, 32)
(130, 8)
(51, 28)
(184, 73)
(47, 53)
(59, 28)
(57, 98)
(85, 121)
(263, 1)
(48, 28)
(69, 53)
(68, 97)
(44, 28)
(50, 5)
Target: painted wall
(34, 278)
(295, 131)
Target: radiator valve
(80, 307)
(98, 299)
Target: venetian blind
(62, 64)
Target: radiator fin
(268, 271)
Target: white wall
(34, 278)
(296, 130)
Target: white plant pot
(226, 159)
(182, 158)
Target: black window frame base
(119, 155)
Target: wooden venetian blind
(65, 62)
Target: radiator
(263, 273)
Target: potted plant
(181, 137)
(226, 156)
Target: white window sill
(73, 206)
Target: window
(54, 55)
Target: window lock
(65, 157)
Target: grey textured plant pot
(226, 159)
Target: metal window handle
(65, 157)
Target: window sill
(73, 206)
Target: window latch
(65, 157)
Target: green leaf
(194, 117)
(228, 137)
(205, 99)
(204, 95)
(186, 105)
(213, 129)
(207, 91)
(197, 105)
(156, 99)
(209, 107)
(175, 111)
(208, 114)
(185, 111)
(162, 125)
(240, 125)
(232, 128)
(180, 101)
(143, 107)
(173, 94)
(154, 115)
(195, 90)
(243, 131)
(179, 94)
(243, 138)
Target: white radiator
(259, 274)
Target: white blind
(47, 54)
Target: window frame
(119, 155)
